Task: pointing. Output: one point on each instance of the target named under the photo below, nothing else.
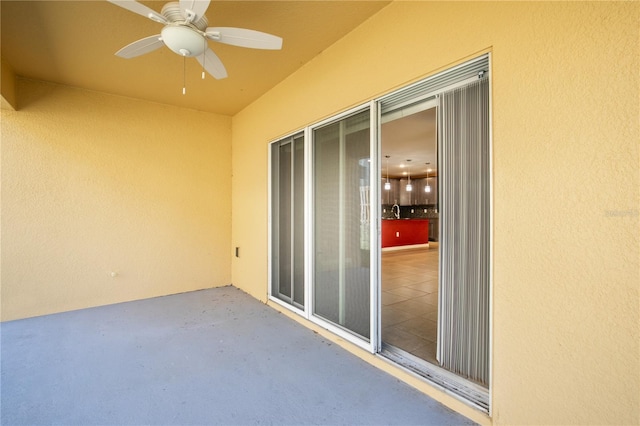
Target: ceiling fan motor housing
(181, 36)
(173, 14)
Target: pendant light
(409, 187)
(427, 188)
(387, 184)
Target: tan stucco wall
(8, 98)
(566, 166)
(94, 184)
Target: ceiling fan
(186, 33)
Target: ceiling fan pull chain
(184, 74)
(204, 54)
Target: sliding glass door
(325, 227)
(341, 212)
(287, 220)
(460, 323)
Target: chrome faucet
(396, 211)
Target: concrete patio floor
(208, 357)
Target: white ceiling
(412, 138)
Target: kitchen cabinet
(433, 229)
(407, 197)
(391, 196)
(419, 196)
(398, 193)
(431, 197)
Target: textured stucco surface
(7, 87)
(94, 184)
(566, 166)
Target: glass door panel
(287, 200)
(341, 174)
(298, 221)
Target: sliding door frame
(465, 390)
(435, 375)
(367, 344)
(271, 231)
(371, 344)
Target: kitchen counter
(404, 232)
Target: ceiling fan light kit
(186, 34)
(183, 40)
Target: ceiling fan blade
(193, 10)
(212, 64)
(244, 38)
(140, 9)
(140, 47)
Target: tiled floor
(410, 300)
